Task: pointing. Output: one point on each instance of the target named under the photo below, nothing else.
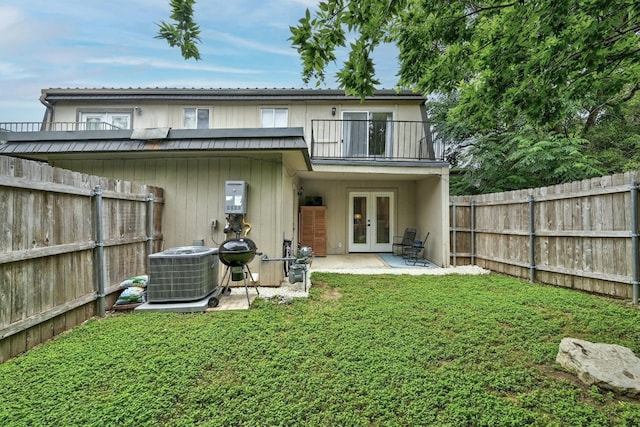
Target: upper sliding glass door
(367, 134)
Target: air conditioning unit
(187, 273)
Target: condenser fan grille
(182, 274)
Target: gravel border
(416, 271)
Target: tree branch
(593, 113)
(620, 34)
(484, 9)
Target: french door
(370, 221)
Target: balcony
(55, 126)
(333, 142)
(364, 141)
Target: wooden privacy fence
(67, 241)
(581, 235)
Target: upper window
(274, 117)
(105, 121)
(196, 118)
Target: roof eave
(180, 140)
(220, 95)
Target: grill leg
(246, 287)
(226, 287)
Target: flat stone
(609, 366)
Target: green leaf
(183, 32)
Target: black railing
(374, 140)
(54, 126)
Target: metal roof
(210, 140)
(54, 95)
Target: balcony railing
(374, 140)
(54, 126)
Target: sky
(92, 44)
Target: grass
(361, 351)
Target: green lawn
(362, 351)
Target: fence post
(634, 241)
(453, 229)
(150, 228)
(532, 240)
(473, 232)
(100, 261)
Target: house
(373, 163)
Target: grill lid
(237, 252)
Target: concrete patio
(348, 261)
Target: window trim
(274, 109)
(210, 114)
(81, 113)
(389, 137)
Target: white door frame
(366, 225)
(359, 121)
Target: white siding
(236, 115)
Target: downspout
(428, 139)
(48, 114)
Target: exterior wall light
(333, 111)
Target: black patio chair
(415, 253)
(400, 243)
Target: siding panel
(194, 194)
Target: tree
(519, 85)
(507, 60)
(521, 159)
(614, 138)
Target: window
(196, 118)
(120, 120)
(105, 121)
(274, 117)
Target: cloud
(132, 61)
(253, 45)
(17, 29)
(10, 71)
(310, 4)
(10, 17)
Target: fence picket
(583, 234)
(47, 262)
